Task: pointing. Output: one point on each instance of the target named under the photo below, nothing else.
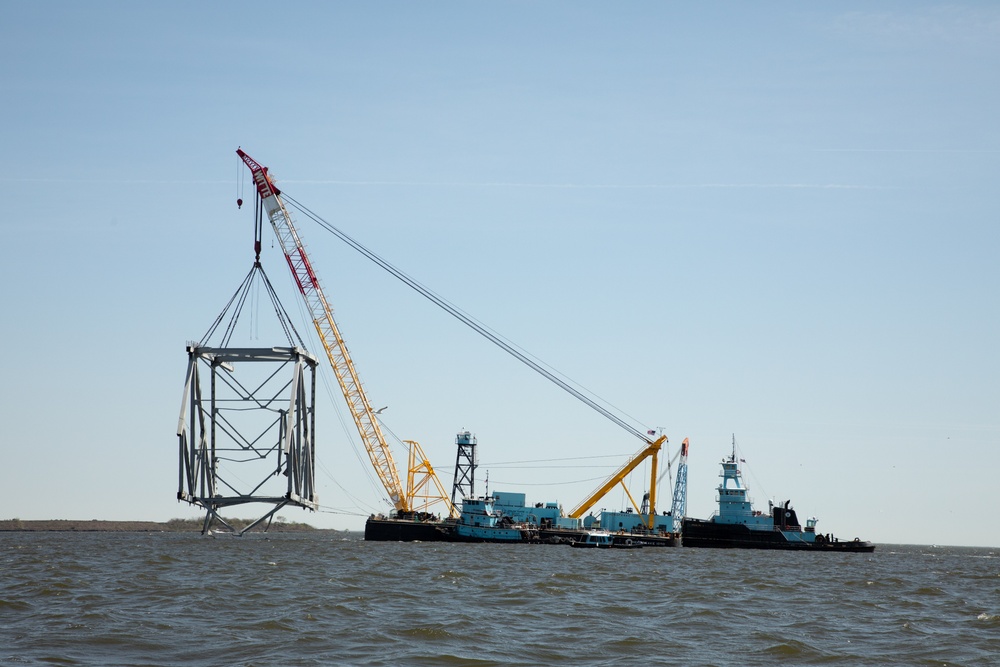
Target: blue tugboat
(481, 522)
(738, 526)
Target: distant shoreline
(101, 526)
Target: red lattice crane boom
(336, 349)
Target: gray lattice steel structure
(249, 436)
(466, 462)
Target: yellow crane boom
(334, 345)
(652, 449)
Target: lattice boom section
(336, 349)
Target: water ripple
(322, 599)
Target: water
(328, 598)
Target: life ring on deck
(628, 542)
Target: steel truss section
(249, 436)
(466, 462)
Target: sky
(775, 222)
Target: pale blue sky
(778, 220)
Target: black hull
(403, 530)
(706, 534)
(653, 540)
(384, 529)
(613, 545)
(565, 536)
(559, 535)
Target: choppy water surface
(328, 598)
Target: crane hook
(239, 203)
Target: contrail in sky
(908, 150)
(473, 184)
(599, 186)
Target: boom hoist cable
(652, 446)
(475, 325)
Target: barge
(409, 527)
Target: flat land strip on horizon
(97, 525)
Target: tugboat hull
(708, 534)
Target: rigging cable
(245, 290)
(239, 299)
(472, 323)
(218, 320)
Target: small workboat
(602, 539)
